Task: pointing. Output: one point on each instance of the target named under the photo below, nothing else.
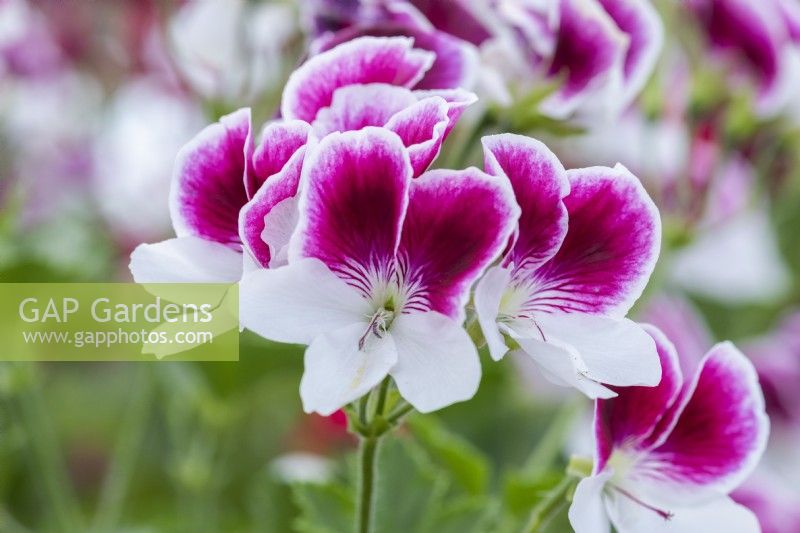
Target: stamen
(538, 327)
(377, 326)
(666, 515)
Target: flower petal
(457, 224)
(268, 220)
(437, 363)
(422, 127)
(720, 432)
(590, 53)
(563, 366)
(280, 140)
(611, 246)
(587, 513)
(185, 260)
(338, 371)
(540, 184)
(357, 106)
(458, 100)
(208, 184)
(299, 302)
(488, 295)
(616, 351)
(630, 418)
(364, 60)
(352, 204)
(640, 22)
(723, 514)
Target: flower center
(379, 323)
(622, 463)
(666, 515)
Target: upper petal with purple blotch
(208, 183)
(422, 127)
(589, 53)
(639, 20)
(456, 17)
(268, 220)
(455, 63)
(611, 246)
(540, 184)
(719, 434)
(391, 60)
(457, 223)
(353, 200)
(280, 139)
(630, 418)
(357, 106)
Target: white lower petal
(437, 363)
(722, 514)
(279, 224)
(563, 367)
(587, 514)
(488, 294)
(185, 260)
(338, 371)
(615, 351)
(299, 302)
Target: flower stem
(546, 509)
(367, 452)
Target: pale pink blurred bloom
(143, 128)
(775, 503)
(231, 49)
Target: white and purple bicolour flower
(586, 245)
(367, 82)
(668, 456)
(604, 50)
(380, 268)
(228, 197)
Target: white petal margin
(488, 295)
(338, 371)
(437, 363)
(721, 514)
(299, 302)
(587, 514)
(185, 260)
(616, 351)
(562, 366)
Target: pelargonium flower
(668, 456)
(380, 268)
(760, 40)
(456, 60)
(586, 245)
(367, 82)
(224, 190)
(604, 50)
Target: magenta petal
(641, 23)
(611, 246)
(457, 223)
(458, 100)
(629, 419)
(354, 197)
(456, 18)
(721, 431)
(540, 184)
(589, 49)
(279, 187)
(422, 128)
(358, 106)
(391, 60)
(279, 141)
(208, 184)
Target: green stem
(46, 452)
(398, 413)
(367, 452)
(546, 509)
(131, 434)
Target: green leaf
(323, 508)
(409, 490)
(467, 515)
(466, 464)
(522, 493)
